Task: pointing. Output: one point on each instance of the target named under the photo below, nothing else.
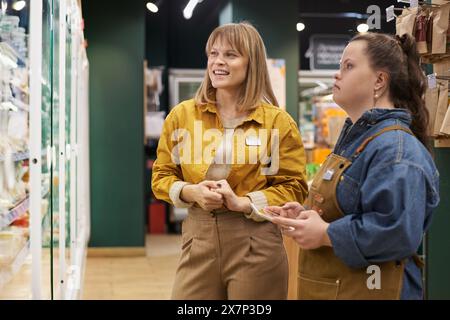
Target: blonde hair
(245, 39)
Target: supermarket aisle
(149, 277)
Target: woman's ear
(382, 81)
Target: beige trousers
(227, 256)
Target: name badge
(328, 175)
(252, 141)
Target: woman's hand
(309, 230)
(203, 195)
(288, 210)
(232, 201)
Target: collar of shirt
(256, 115)
(373, 116)
(354, 133)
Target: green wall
(276, 22)
(116, 38)
(438, 240)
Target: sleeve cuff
(259, 199)
(344, 245)
(175, 192)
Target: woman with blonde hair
(229, 147)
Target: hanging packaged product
(9, 169)
(430, 20)
(442, 106)
(406, 22)
(439, 1)
(445, 128)
(421, 31)
(431, 103)
(18, 128)
(440, 28)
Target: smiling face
(227, 68)
(355, 81)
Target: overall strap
(390, 128)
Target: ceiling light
(4, 6)
(189, 9)
(152, 7)
(19, 5)
(300, 26)
(363, 27)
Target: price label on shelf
(390, 15)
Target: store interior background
(123, 37)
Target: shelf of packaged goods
(16, 85)
(17, 156)
(18, 211)
(9, 271)
(15, 105)
(9, 56)
(22, 106)
(22, 155)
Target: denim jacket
(387, 196)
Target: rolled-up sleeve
(165, 171)
(390, 227)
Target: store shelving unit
(18, 211)
(54, 163)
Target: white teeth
(221, 72)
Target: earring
(376, 95)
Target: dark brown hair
(399, 58)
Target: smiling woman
(228, 251)
(236, 59)
(227, 68)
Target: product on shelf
(442, 105)
(14, 101)
(14, 35)
(12, 241)
(23, 221)
(405, 22)
(329, 120)
(429, 24)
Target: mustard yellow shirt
(267, 163)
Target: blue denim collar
(373, 116)
(353, 134)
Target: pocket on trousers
(188, 243)
(265, 251)
(186, 235)
(315, 288)
(186, 248)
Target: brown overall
(322, 275)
